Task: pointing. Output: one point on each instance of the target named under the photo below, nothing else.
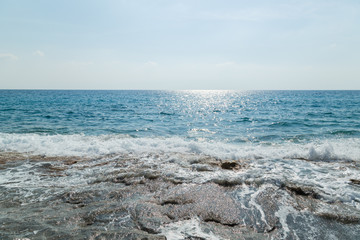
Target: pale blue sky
(180, 44)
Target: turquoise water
(227, 116)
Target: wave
(83, 145)
(345, 132)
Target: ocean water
(301, 146)
(236, 120)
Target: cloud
(265, 12)
(8, 56)
(248, 15)
(151, 63)
(225, 64)
(39, 53)
(80, 63)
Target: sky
(180, 44)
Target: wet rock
(302, 191)
(58, 159)
(269, 200)
(70, 162)
(205, 160)
(53, 170)
(355, 181)
(80, 197)
(148, 217)
(230, 165)
(6, 157)
(125, 235)
(201, 168)
(194, 238)
(134, 199)
(194, 228)
(307, 199)
(111, 217)
(259, 207)
(209, 202)
(338, 212)
(129, 176)
(151, 175)
(215, 162)
(347, 219)
(227, 182)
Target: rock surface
(122, 197)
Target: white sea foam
(82, 145)
(175, 159)
(187, 228)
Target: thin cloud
(225, 64)
(151, 63)
(249, 15)
(265, 13)
(80, 63)
(8, 56)
(39, 53)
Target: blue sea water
(225, 124)
(70, 153)
(227, 116)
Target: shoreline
(133, 197)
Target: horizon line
(80, 89)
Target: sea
(192, 164)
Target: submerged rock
(230, 165)
(355, 181)
(302, 191)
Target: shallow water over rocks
(174, 196)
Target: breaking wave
(84, 145)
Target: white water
(180, 230)
(82, 145)
(175, 157)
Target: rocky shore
(159, 196)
